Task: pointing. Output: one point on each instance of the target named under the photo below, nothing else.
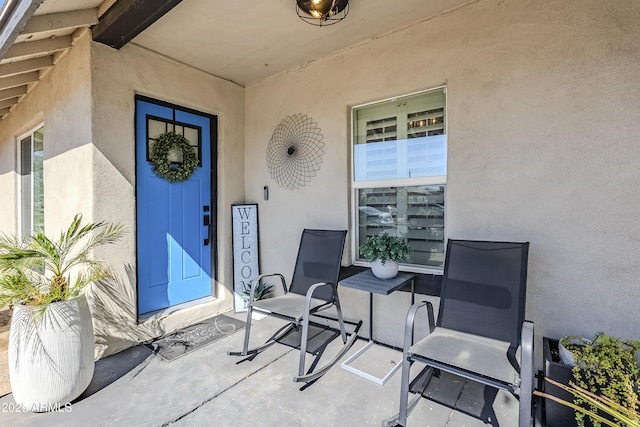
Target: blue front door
(174, 221)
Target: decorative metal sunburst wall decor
(295, 151)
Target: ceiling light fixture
(322, 12)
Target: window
(31, 148)
(157, 126)
(400, 174)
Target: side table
(366, 281)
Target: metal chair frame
(521, 386)
(309, 306)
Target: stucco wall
(87, 105)
(543, 106)
(116, 77)
(59, 101)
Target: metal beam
(38, 47)
(61, 21)
(19, 80)
(13, 92)
(128, 18)
(20, 67)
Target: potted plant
(609, 368)
(570, 344)
(603, 405)
(606, 366)
(262, 291)
(385, 252)
(51, 341)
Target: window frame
(174, 123)
(394, 182)
(20, 193)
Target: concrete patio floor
(208, 388)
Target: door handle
(206, 221)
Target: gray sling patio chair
(480, 325)
(314, 288)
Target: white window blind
(417, 147)
(399, 174)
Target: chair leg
(319, 372)
(404, 391)
(526, 375)
(247, 331)
(524, 416)
(272, 340)
(343, 331)
(303, 344)
(394, 421)
(406, 363)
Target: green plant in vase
(385, 252)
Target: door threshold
(174, 308)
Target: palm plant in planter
(385, 252)
(51, 342)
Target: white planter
(566, 356)
(387, 271)
(51, 354)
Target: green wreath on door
(163, 167)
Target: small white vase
(51, 354)
(388, 270)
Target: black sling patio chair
(314, 288)
(480, 325)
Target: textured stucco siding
(543, 109)
(59, 101)
(117, 76)
(543, 106)
(87, 105)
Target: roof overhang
(31, 42)
(226, 38)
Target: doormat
(183, 341)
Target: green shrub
(608, 367)
(385, 247)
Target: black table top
(366, 281)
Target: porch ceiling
(246, 42)
(231, 39)
(34, 35)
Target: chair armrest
(526, 357)
(260, 277)
(409, 324)
(526, 338)
(310, 291)
(315, 286)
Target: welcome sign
(246, 266)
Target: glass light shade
(316, 8)
(322, 12)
